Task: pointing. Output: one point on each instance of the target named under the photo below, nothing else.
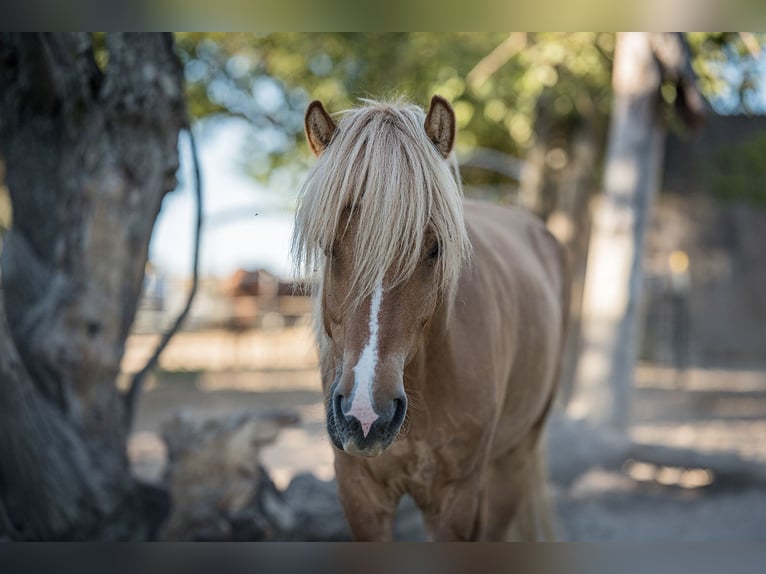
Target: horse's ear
(440, 125)
(319, 127)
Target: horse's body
(479, 376)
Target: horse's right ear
(440, 125)
(319, 127)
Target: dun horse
(440, 324)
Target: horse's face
(371, 345)
(371, 342)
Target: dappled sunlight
(599, 481)
(562, 226)
(747, 438)
(713, 411)
(653, 376)
(299, 450)
(688, 478)
(148, 454)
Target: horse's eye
(433, 253)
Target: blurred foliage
(494, 80)
(737, 172)
(730, 67)
(500, 85)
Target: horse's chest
(421, 470)
(407, 467)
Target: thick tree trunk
(89, 155)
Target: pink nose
(364, 412)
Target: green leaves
(496, 82)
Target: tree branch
(674, 59)
(751, 43)
(497, 58)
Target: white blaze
(364, 371)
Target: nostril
(338, 404)
(400, 409)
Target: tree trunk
(540, 183)
(570, 222)
(613, 277)
(558, 185)
(89, 155)
(635, 151)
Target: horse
(439, 321)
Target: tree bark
(89, 155)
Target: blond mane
(382, 167)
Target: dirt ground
(709, 413)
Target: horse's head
(381, 217)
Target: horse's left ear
(440, 125)
(319, 127)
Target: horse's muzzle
(348, 433)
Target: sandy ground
(711, 411)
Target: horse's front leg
(369, 507)
(454, 512)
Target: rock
(318, 513)
(217, 487)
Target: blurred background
(644, 153)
